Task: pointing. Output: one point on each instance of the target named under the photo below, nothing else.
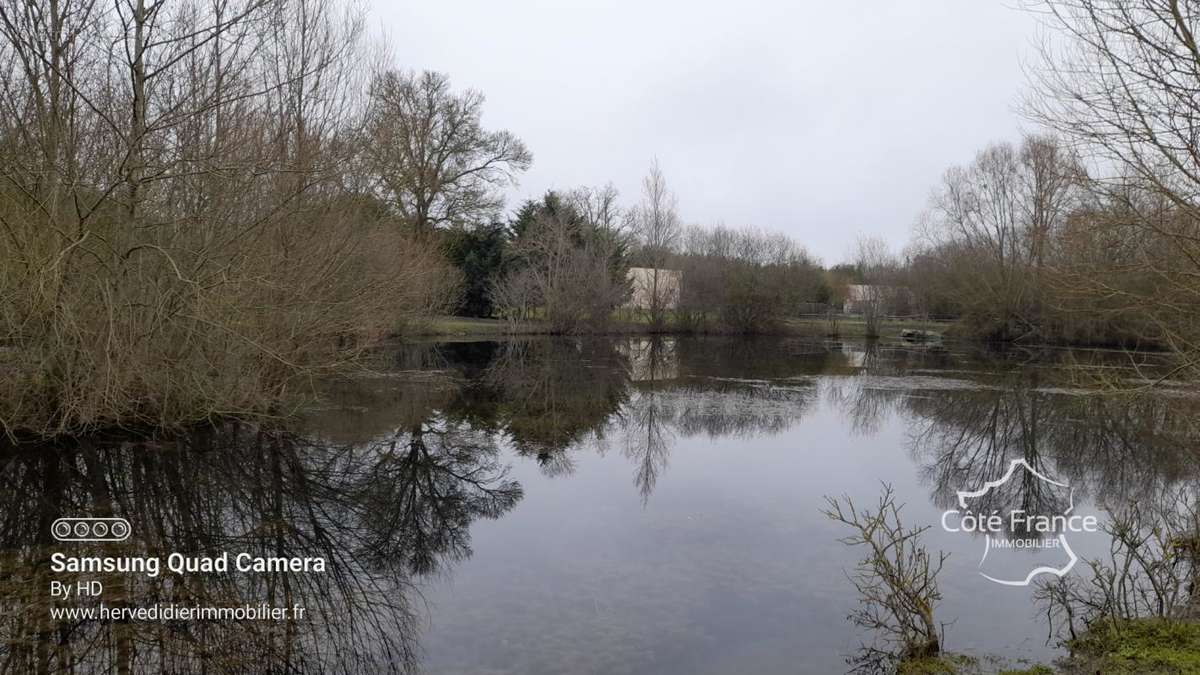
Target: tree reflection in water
(967, 428)
(674, 395)
(1110, 448)
(970, 414)
(422, 489)
(378, 512)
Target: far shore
(846, 327)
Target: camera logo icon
(90, 529)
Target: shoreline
(947, 332)
(457, 326)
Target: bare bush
(746, 280)
(896, 581)
(566, 273)
(1152, 570)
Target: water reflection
(1110, 448)
(422, 489)
(386, 479)
(967, 438)
(971, 413)
(547, 396)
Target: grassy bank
(1139, 646)
(1142, 646)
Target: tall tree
(658, 231)
(430, 154)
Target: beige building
(884, 299)
(858, 295)
(643, 284)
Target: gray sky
(818, 119)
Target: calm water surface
(589, 506)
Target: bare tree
(600, 209)
(658, 229)
(877, 266)
(431, 156)
(609, 225)
(516, 296)
(1122, 83)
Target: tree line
(1088, 231)
(564, 260)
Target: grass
(946, 664)
(1139, 646)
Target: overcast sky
(818, 119)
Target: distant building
(856, 296)
(642, 281)
(887, 299)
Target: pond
(625, 505)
